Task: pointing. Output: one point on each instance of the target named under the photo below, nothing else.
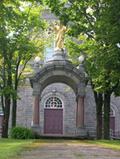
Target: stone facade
(24, 112)
(59, 70)
(61, 79)
(67, 95)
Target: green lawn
(112, 144)
(10, 148)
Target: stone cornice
(58, 65)
(62, 71)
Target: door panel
(53, 121)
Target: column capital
(81, 90)
(37, 96)
(36, 89)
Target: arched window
(54, 103)
(112, 112)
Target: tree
(20, 40)
(98, 22)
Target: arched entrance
(58, 71)
(53, 116)
(69, 104)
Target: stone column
(35, 119)
(80, 105)
(80, 111)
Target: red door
(53, 121)
(112, 123)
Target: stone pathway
(69, 150)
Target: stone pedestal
(35, 121)
(80, 112)
(59, 55)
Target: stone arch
(116, 115)
(112, 112)
(114, 109)
(58, 72)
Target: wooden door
(53, 121)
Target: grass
(10, 148)
(112, 144)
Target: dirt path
(69, 150)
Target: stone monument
(59, 70)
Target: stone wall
(66, 94)
(24, 110)
(90, 112)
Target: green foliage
(95, 23)
(21, 133)
(20, 37)
(21, 29)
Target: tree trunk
(99, 116)
(14, 109)
(7, 96)
(6, 117)
(107, 115)
(14, 98)
(2, 103)
(99, 104)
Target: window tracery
(53, 102)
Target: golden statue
(60, 30)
